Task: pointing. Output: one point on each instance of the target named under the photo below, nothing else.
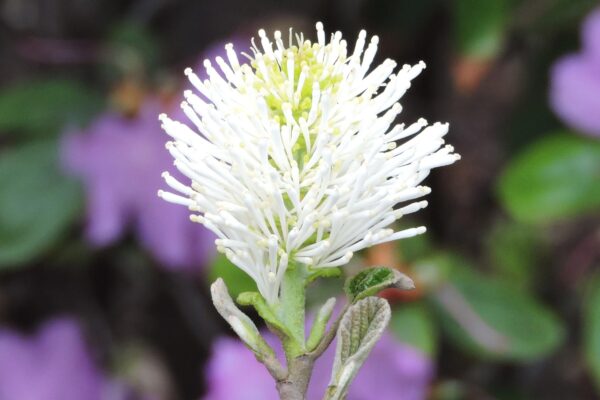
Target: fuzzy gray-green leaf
(239, 322)
(360, 329)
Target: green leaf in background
(132, 49)
(480, 27)
(37, 202)
(414, 248)
(591, 331)
(559, 15)
(432, 271)
(412, 324)
(43, 108)
(237, 281)
(492, 319)
(406, 17)
(558, 177)
(514, 250)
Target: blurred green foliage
(554, 179)
(37, 202)
(515, 251)
(591, 331)
(43, 107)
(488, 317)
(524, 328)
(237, 281)
(131, 50)
(413, 324)
(480, 27)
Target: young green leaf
(292, 343)
(359, 330)
(320, 324)
(254, 299)
(239, 322)
(371, 281)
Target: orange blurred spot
(467, 73)
(128, 96)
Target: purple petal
(234, 373)
(590, 33)
(392, 371)
(120, 161)
(575, 84)
(396, 370)
(107, 215)
(54, 365)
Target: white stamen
(282, 172)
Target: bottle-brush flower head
(295, 156)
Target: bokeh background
(103, 287)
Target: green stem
(291, 308)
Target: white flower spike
(295, 158)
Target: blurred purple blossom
(217, 49)
(575, 81)
(120, 161)
(393, 370)
(52, 365)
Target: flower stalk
(291, 309)
(295, 162)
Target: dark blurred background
(508, 297)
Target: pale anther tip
(188, 71)
(319, 25)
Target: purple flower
(393, 370)
(120, 161)
(52, 365)
(217, 49)
(575, 82)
